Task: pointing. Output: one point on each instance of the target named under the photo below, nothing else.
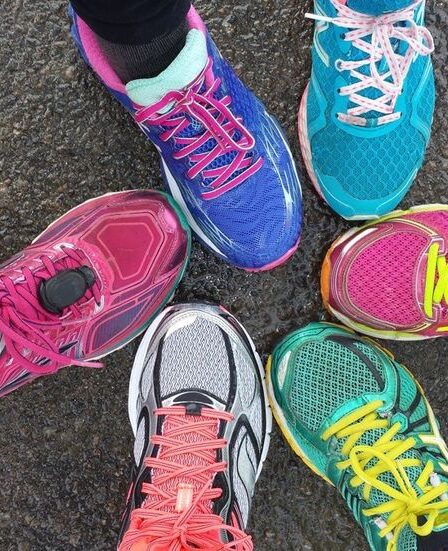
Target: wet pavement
(65, 441)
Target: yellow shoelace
(406, 506)
(435, 292)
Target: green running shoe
(359, 419)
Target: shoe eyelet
(338, 65)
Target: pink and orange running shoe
(89, 284)
(389, 278)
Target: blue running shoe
(224, 158)
(365, 118)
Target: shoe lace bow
(404, 506)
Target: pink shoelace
(218, 123)
(384, 30)
(176, 515)
(21, 315)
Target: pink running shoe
(389, 278)
(89, 284)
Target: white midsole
(176, 193)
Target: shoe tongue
(378, 7)
(184, 486)
(187, 66)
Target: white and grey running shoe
(198, 408)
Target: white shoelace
(384, 30)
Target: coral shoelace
(176, 515)
(21, 314)
(219, 124)
(405, 506)
(375, 36)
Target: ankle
(135, 61)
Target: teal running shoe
(359, 420)
(365, 118)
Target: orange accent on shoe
(325, 279)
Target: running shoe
(389, 279)
(199, 412)
(359, 420)
(89, 284)
(365, 118)
(223, 157)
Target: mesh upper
(369, 166)
(239, 487)
(249, 389)
(407, 540)
(140, 441)
(259, 220)
(327, 375)
(436, 220)
(381, 280)
(426, 104)
(408, 391)
(187, 362)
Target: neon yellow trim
(379, 333)
(435, 292)
(430, 277)
(409, 335)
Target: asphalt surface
(65, 441)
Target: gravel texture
(65, 440)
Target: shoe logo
(319, 28)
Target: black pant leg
(131, 21)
